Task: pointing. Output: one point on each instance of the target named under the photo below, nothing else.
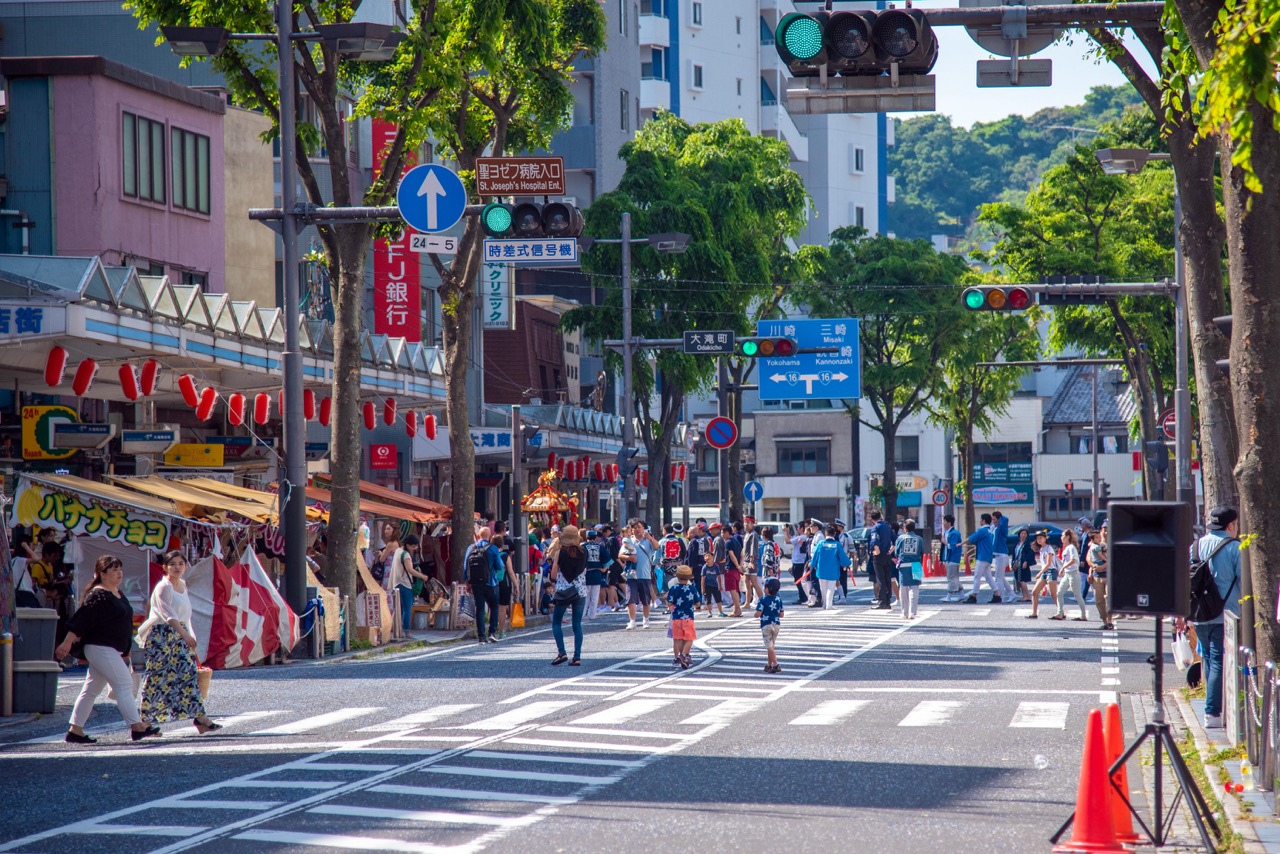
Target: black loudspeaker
(1149, 545)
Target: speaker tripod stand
(1157, 731)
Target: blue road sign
(721, 432)
(431, 198)
(813, 376)
(752, 490)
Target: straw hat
(569, 536)
(684, 573)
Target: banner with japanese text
(38, 504)
(397, 278)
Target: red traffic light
(1019, 298)
(784, 347)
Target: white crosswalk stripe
(521, 715)
(318, 721)
(931, 713)
(1040, 715)
(829, 712)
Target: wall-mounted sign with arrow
(431, 198)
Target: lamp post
(668, 243)
(1130, 161)
(355, 41)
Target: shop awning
(268, 500)
(106, 492)
(387, 495)
(374, 508)
(187, 497)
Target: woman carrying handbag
(568, 571)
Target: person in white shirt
(1070, 580)
(170, 690)
(1046, 569)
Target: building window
(906, 452)
(804, 457)
(625, 101)
(739, 87)
(143, 152)
(737, 22)
(709, 460)
(858, 162)
(697, 77)
(656, 67)
(200, 280)
(860, 216)
(697, 14)
(622, 16)
(190, 170)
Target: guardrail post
(1267, 740)
(1247, 672)
(454, 606)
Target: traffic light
(626, 461)
(1104, 490)
(527, 434)
(856, 43)
(765, 348)
(529, 220)
(1069, 488)
(1224, 326)
(996, 298)
(1157, 454)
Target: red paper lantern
(326, 411)
(598, 471)
(551, 460)
(369, 418)
(560, 469)
(187, 386)
(411, 423)
(150, 371)
(280, 402)
(261, 408)
(55, 367)
(129, 382)
(684, 472)
(308, 404)
(85, 375)
(389, 411)
(582, 469)
(208, 397)
(429, 427)
(611, 472)
(235, 409)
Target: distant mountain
(944, 173)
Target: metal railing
(1259, 688)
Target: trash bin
(35, 686)
(37, 634)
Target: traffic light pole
(627, 493)
(1097, 505)
(519, 537)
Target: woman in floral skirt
(171, 691)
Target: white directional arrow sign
(433, 190)
(431, 198)
(831, 370)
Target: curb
(1239, 822)
(18, 719)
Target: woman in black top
(104, 625)
(569, 574)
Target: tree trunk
(966, 467)
(889, 432)
(1202, 238)
(346, 446)
(1253, 222)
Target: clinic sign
(34, 504)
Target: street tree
(971, 398)
(438, 75)
(737, 197)
(907, 297)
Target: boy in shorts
(769, 610)
(711, 574)
(684, 599)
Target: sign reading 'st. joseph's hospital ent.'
(35, 504)
(520, 176)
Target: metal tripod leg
(1195, 798)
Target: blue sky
(1074, 74)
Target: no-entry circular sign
(1169, 423)
(721, 432)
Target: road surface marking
(184, 804)
(509, 774)
(419, 815)
(418, 718)
(1108, 697)
(931, 713)
(627, 711)
(319, 721)
(330, 840)
(522, 715)
(548, 757)
(470, 794)
(829, 713)
(723, 711)
(304, 765)
(579, 745)
(1038, 715)
(137, 829)
(280, 784)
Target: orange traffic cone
(1122, 819)
(1092, 830)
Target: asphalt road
(960, 731)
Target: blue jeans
(1210, 637)
(406, 606)
(557, 631)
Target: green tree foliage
(907, 297)
(944, 172)
(736, 195)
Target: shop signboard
(37, 504)
(37, 431)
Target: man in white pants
(1000, 553)
(983, 542)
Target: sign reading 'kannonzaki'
(520, 176)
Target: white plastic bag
(1182, 655)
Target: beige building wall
(249, 182)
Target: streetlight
(668, 243)
(359, 41)
(1130, 161)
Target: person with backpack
(1215, 582)
(909, 550)
(672, 554)
(770, 557)
(598, 560)
(484, 568)
(699, 546)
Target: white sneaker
(631, 624)
(645, 624)
(1213, 721)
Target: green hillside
(944, 173)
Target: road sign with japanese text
(714, 342)
(552, 251)
(520, 176)
(496, 296)
(835, 375)
(397, 276)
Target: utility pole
(627, 491)
(1096, 505)
(519, 544)
(722, 456)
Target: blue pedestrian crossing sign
(753, 491)
(431, 198)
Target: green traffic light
(750, 348)
(800, 35)
(974, 299)
(496, 219)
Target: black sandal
(559, 659)
(77, 738)
(575, 663)
(211, 726)
(139, 735)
